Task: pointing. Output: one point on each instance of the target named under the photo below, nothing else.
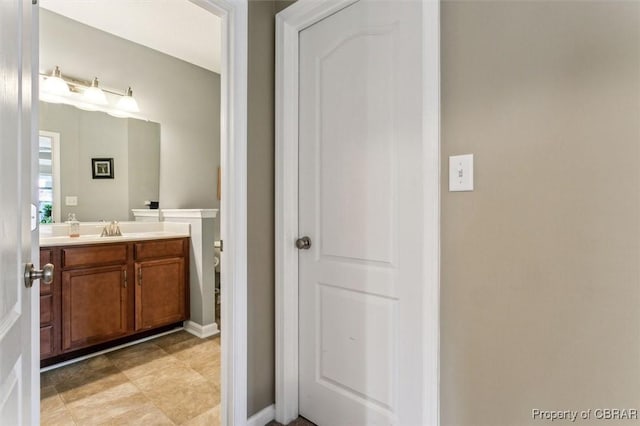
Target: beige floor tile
(173, 338)
(165, 381)
(50, 400)
(215, 339)
(191, 341)
(183, 403)
(137, 368)
(145, 415)
(208, 418)
(138, 363)
(207, 366)
(93, 382)
(107, 405)
(77, 370)
(141, 349)
(168, 379)
(60, 417)
(47, 378)
(204, 350)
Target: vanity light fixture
(87, 95)
(128, 102)
(54, 84)
(94, 94)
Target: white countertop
(56, 235)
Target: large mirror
(94, 165)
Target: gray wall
(540, 296)
(144, 163)
(134, 146)
(183, 98)
(261, 204)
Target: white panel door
(19, 390)
(361, 201)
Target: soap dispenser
(74, 226)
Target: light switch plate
(461, 172)
(71, 200)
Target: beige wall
(541, 263)
(261, 199)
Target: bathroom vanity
(109, 290)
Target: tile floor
(171, 380)
(300, 421)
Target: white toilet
(216, 250)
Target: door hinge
(139, 276)
(221, 246)
(34, 1)
(125, 278)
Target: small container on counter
(74, 225)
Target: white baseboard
(263, 416)
(201, 331)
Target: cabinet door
(160, 293)
(94, 306)
(47, 348)
(49, 309)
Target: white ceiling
(175, 27)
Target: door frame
(233, 208)
(289, 23)
(233, 144)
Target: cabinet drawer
(46, 309)
(46, 256)
(46, 341)
(159, 249)
(94, 255)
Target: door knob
(31, 274)
(303, 243)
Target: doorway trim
(233, 206)
(233, 143)
(289, 23)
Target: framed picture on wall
(102, 168)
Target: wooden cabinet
(48, 310)
(104, 293)
(160, 292)
(94, 306)
(161, 282)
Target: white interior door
(361, 203)
(19, 358)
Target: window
(48, 176)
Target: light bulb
(95, 94)
(128, 102)
(55, 84)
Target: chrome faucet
(111, 230)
